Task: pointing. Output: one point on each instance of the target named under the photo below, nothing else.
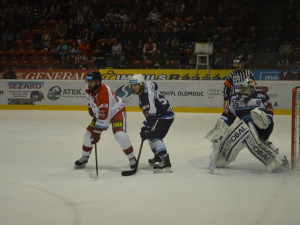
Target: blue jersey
(154, 105)
(240, 108)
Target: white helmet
(247, 87)
(136, 79)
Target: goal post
(295, 142)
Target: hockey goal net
(295, 154)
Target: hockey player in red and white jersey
(105, 107)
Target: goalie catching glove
(260, 118)
(218, 131)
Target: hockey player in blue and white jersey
(159, 116)
(247, 122)
(241, 104)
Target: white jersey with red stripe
(104, 104)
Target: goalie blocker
(239, 135)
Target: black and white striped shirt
(232, 83)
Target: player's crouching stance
(159, 117)
(105, 107)
(251, 129)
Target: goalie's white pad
(260, 118)
(213, 156)
(231, 144)
(218, 131)
(261, 151)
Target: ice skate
(155, 159)
(164, 166)
(80, 163)
(132, 162)
(285, 165)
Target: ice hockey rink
(39, 186)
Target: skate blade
(164, 170)
(80, 167)
(153, 164)
(218, 172)
(281, 169)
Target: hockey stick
(92, 175)
(131, 172)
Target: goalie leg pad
(261, 151)
(213, 156)
(218, 131)
(232, 144)
(285, 162)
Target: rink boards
(185, 96)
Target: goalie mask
(247, 89)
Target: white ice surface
(38, 185)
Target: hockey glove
(260, 118)
(145, 131)
(95, 136)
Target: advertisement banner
(269, 74)
(50, 74)
(65, 93)
(150, 74)
(165, 74)
(25, 92)
(202, 94)
(123, 74)
(3, 92)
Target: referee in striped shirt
(232, 83)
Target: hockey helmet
(91, 79)
(247, 87)
(239, 59)
(94, 76)
(136, 79)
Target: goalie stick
(131, 172)
(92, 175)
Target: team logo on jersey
(124, 91)
(54, 93)
(102, 113)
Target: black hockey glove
(145, 132)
